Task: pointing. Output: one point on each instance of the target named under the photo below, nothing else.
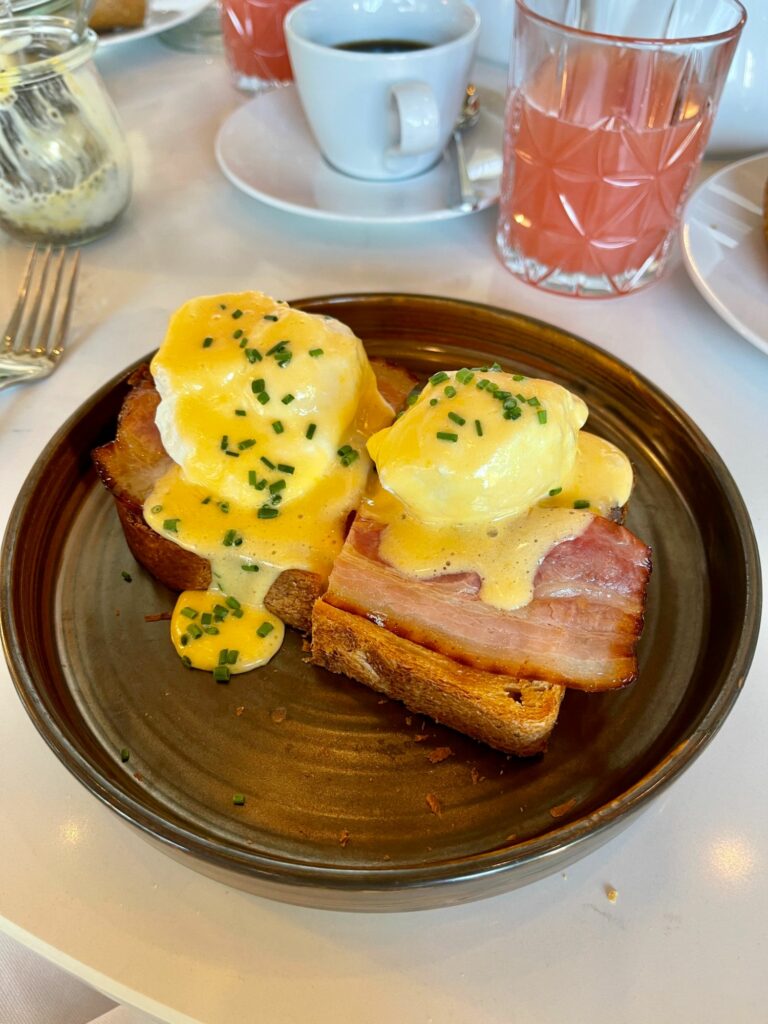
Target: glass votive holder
(254, 43)
(609, 110)
(66, 173)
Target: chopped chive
(315, 352)
(171, 525)
(238, 334)
(264, 629)
(513, 413)
(206, 618)
(234, 455)
(433, 401)
(267, 463)
(253, 355)
(278, 485)
(478, 428)
(221, 674)
(278, 347)
(495, 366)
(277, 426)
(231, 602)
(283, 467)
(262, 397)
(252, 478)
(206, 501)
(520, 397)
(207, 342)
(456, 418)
(581, 503)
(269, 316)
(250, 567)
(464, 376)
(258, 385)
(347, 454)
(243, 341)
(492, 386)
(482, 384)
(554, 491)
(187, 662)
(445, 435)
(190, 613)
(450, 391)
(236, 314)
(239, 412)
(232, 657)
(247, 443)
(311, 431)
(125, 754)
(211, 630)
(276, 498)
(224, 506)
(127, 576)
(223, 656)
(223, 444)
(222, 305)
(238, 799)
(156, 509)
(287, 399)
(261, 485)
(542, 415)
(183, 639)
(438, 378)
(283, 358)
(232, 539)
(220, 612)
(267, 512)
(534, 401)
(194, 631)
(517, 376)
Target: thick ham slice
(580, 630)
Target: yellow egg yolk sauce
(265, 411)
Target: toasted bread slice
(514, 716)
(108, 15)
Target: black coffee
(383, 46)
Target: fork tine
(25, 336)
(58, 348)
(12, 329)
(44, 335)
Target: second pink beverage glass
(254, 42)
(609, 110)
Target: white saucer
(266, 149)
(161, 15)
(725, 250)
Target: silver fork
(46, 296)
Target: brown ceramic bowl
(336, 779)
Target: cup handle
(419, 118)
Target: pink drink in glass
(254, 42)
(603, 140)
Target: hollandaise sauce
(265, 411)
(485, 474)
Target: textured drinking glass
(254, 43)
(65, 172)
(609, 110)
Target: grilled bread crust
(514, 716)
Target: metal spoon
(83, 11)
(468, 118)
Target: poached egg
(485, 473)
(265, 411)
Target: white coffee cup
(386, 115)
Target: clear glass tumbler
(254, 42)
(609, 110)
(65, 172)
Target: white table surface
(686, 938)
